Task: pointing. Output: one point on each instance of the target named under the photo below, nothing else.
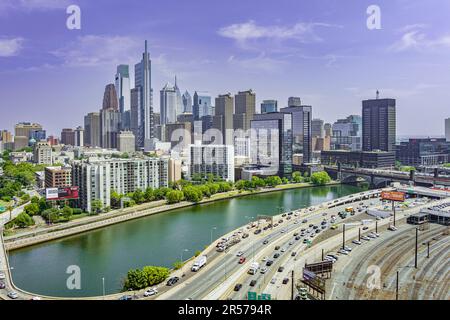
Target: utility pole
(343, 236)
(376, 226)
(292, 286)
(322, 254)
(428, 249)
(359, 234)
(396, 288)
(417, 240)
(393, 209)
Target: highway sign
(251, 295)
(264, 296)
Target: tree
(67, 213)
(138, 196)
(257, 182)
(273, 181)
(240, 185)
(178, 265)
(23, 220)
(320, 178)
(148, 276)
(32, 209)
(96, 206)
(148, 194)
(174, 196)
(115, 199)
(192, 194)
(10, 209)
(285, 180)
(297, 177)
(50, 215)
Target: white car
(370, 235)
(342, 251)
(283, 249)
(240, 253)
(375, 234)
(365, 238)
(356, 242)
(346, 248)
(2, 276)
(291, 242)
(13, 295)
(273, 280)
(150, 292)
(263, 270)
(264, 259)
(392, 228)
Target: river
(153, 240)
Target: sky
(321, 51)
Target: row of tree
(137, 279)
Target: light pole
(213, 228)
(184, 250)
(103, 285)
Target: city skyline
(298, 52)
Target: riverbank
(117, 216)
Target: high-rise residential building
(58, 177)
(202, 105)
(301, 127)
(110, 98)
(109, 128)
(187, 102)
(168, 104)
(42, 153)
(79, 137)
(96, 178)
(92, 129)
(174, 173)
(126, 142)
(23, 129)
(347, 134)
(423, 152)
(68, 136)
(378, 124)
(223, 120)
(6, 136)
(447, 129)
(122, 86)
(317, 129)
(213, 159)
(271, 143)
(144, 108)
(268, 106)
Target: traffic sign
(251, 295)
(265, 296)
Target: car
(293, 254)
(365, 228)
(365, 238)
(2, 276)
(347, 248)
(356, 242)
(285, 280)
(280, 221)
(333, 256)
(245, 235)
(283, 215)
(312, 235)
(315, 227)
(172, 281)
(36, 298)
(252, 283)
(265, 228)
(277, 247)
(275, 225)
(265, 259)
(318, 230)
(375, 234)
(283, 249)
(280, 269)
(297, 237)
(295, 234)
(266, 241)
(370, 235)
(303, 230)
(263, 270)
(2, 285)
(237, 287)
(276, 255)
(283, 230)
(304, 220)
(273, 281)
(324, 227)
(290, 213)
(296, 222)
(126, 297)
(330, 259)
(392, 228)
(241, 260)
(305, 240)
(291, 243)
(240, 253)
(288, 218)
(323, 223)
(342, 251)
(150, 292)
(257, 231)
(324, 214)
(269, 263)
(311, 225)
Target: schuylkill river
(155, 240)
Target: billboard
(61, 193)
(393, 195)
(319, 267)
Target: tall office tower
(245, 104)
(328, 129)
(301, 128)
(123, 87)
(22, 134)
(378, 124)
(68, 136)
(42, 153)
(79, 137)
(110, 98)
(137, 117)
(6, 136)
(168, 104)
(109, 128)
(187, 102)
(142, 80)
(223, 120)
(202, 105)
(447, 129)
(126, 142)
(213, 159)
(179, 99)
(317, 130)
(271, 143)
(269, 106)
(92, 129)
(347, 134)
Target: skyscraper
(223, 120)
(347, 134)
(110, 98)
(68, 136)
(245, 104)
(168, 104)
(92, 129)
(109, 128)
(447, 129)
(317, 130)
(142, 80)
(79, 137)
(378, 124)
(123, 87)
(202, 105)
(301, 127)
(269, 106)
(187, 102)
(179, 101)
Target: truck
(200, 262)
(253, 268)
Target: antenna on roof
(378, 94)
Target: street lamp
(184, 250)
(213, 228)
(103, 285)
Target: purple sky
(319, 50)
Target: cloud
(414, 38)
(248, 31)
(260, 63)
(94, 50)
(10, 47)
(30, 5)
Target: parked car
(347, 248)
(257, 231)
(280, 269)
(283, 249)
(365, 238)
(2, 285)
(150, 292)
(342, 251)
(356, 242)
(273, 281)
(293, 254)
(365, 228)
(126, 297)
(172, 281)
(265, 259)
(2, 276)
(304, 220)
